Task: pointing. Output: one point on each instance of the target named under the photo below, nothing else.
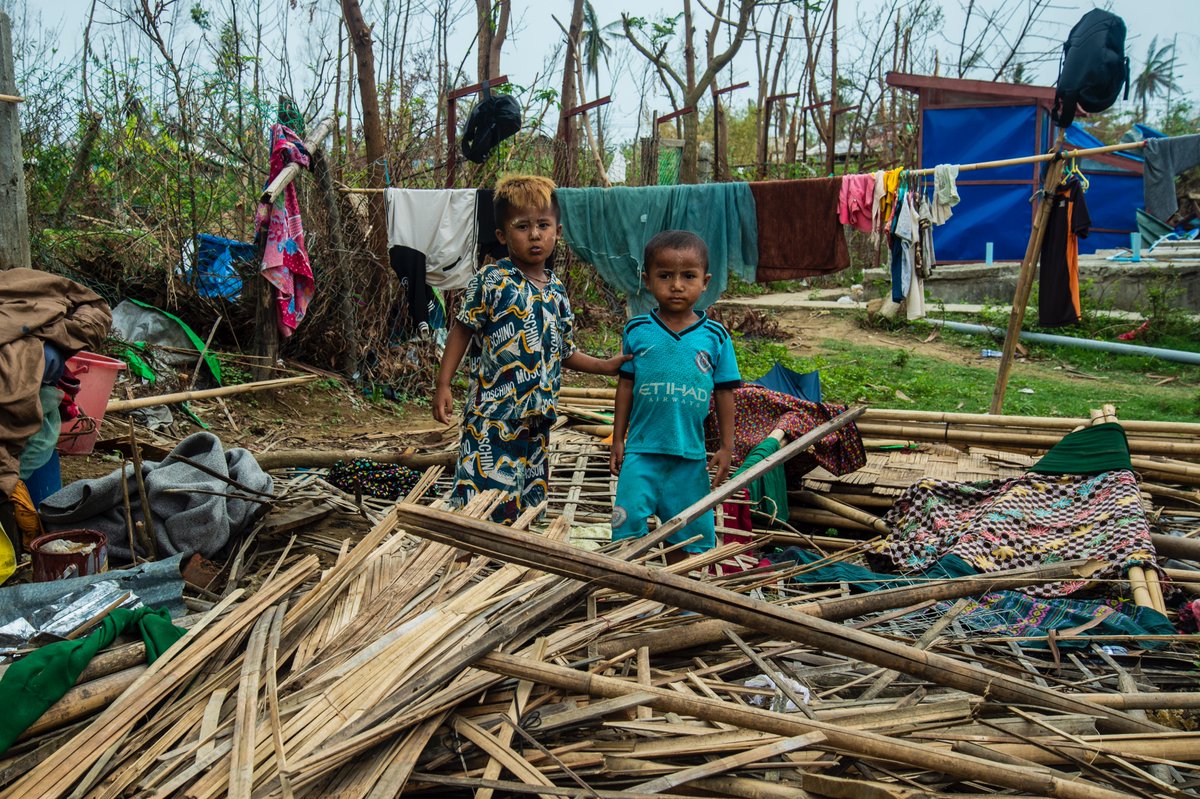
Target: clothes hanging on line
(799, 234)
(285, 263)
(1166, 158)
(945, 192)
(441, 225)
(432, 235)
(609, 228)
(877, 205)
(887, 203)
(1058, 287)
(855, 201)
(927, 258)
(490, 247)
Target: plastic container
(45, 480)
(96, 374)
(50, 565)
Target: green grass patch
(854, 373)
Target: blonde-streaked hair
(523, 191)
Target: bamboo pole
(1034, 159)
(861, 743)
(846, 511)
(1025, 279)
(1031, 422)
(1137, 584)
(487, 538)
(208, 393)
(289, 172)
(949, 434)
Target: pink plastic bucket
(96, 374)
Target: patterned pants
(504, 454)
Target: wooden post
(14, 217)
(1025, 280)
(266, 330)
(833, 94)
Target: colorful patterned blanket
(758, 411)
(1022, 521)
(1009, 613)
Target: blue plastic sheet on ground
(215, 275)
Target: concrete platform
(1123, 286)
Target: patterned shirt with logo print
(521, 336)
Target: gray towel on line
(1166, 158)
(185, 520)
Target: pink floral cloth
(285, 261)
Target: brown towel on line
(798, 230)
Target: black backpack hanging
(1094, 67)
(490, 122)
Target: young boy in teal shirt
(681, 360)
(516, 327)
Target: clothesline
(1027, 159)
(1033, 159)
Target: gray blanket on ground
(192, 511)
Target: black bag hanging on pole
(1094, 67)
(490, 122)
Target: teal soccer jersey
(674, 376)
(521, 334)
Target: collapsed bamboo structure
(438, 653)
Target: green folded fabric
(769, 492)
(1092, 450)
(35, 682)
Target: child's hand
(616, 457)
(443, 404)
(612, 366)
(720, 461)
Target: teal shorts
(662, 486)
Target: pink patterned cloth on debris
(1023, 521)
(285, 261)
(757, 411)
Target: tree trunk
(14, 222)
(491, 38)
(82, 157)
(564, 153)
(688, 172)
(360, 37)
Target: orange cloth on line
(1073, 261)
(28, 520)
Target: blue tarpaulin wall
(989, 211)
(995, 203)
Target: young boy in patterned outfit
(681, 359)
(516, 327)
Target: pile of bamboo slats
(406, 669)
(438, 654)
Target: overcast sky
(535, 33)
